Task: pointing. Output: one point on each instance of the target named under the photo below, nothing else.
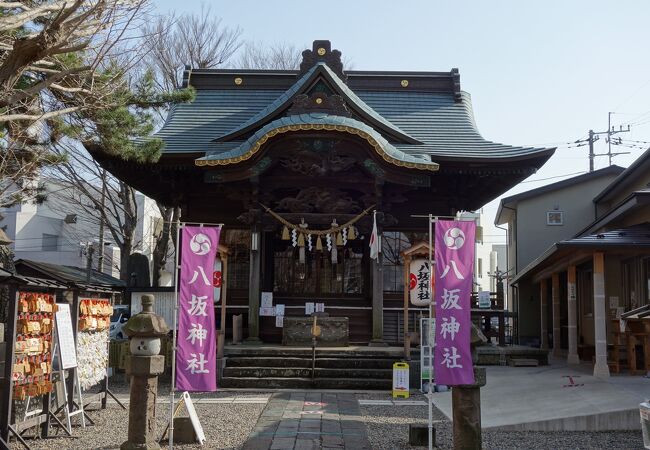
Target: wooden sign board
(65, 337)
(194, 418)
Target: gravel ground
(388, 430)
(226, 426)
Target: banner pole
(174, 328)
(431, 333)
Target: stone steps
(301, 372)
(328, 363)
(290, 368)
(306, 383)
(302, 352)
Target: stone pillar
(144, 371)
(254, 286)
(600, 318)
(555, 295)
(466, 411)
(543, 298)
(572, 357)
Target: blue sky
(540, 73)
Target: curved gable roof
(318, 121)
(320, 69)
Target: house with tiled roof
(589, 293)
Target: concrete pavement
(557, 397)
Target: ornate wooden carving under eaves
(318, 199)
(322, 52)
(319, 102)
(316, 157)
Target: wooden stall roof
(69, 276)
(31, 282)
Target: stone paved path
(309, 420)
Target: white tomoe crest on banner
(200, 244)
(420, 282)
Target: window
(238, 243)
(480, 268)
(392, 244)
(50, 243)
(635, 274)
(555, 218)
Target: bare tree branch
(199, 40)
(281, 56)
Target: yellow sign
(400, 380)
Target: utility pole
(591, 150)
(90, 249)
(609, 141)
(100, 257)
(593, 136)
(610, 133)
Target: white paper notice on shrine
(267, 312)
(309, 308)
(279, 310)
(267, 299)
(279, 321)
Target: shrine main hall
(295, 162)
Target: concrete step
(296, 372)
(305, 383)
(298, 352)
(523, 362)
(262, 361)
(331, 363)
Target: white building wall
(27, 223)
(482, 270)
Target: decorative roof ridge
(285, 100)
(322, 52)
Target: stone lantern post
(145, 364)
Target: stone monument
(145, 364)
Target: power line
(644, 84)
(552, 178)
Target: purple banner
(196, 354)
(454, 273)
